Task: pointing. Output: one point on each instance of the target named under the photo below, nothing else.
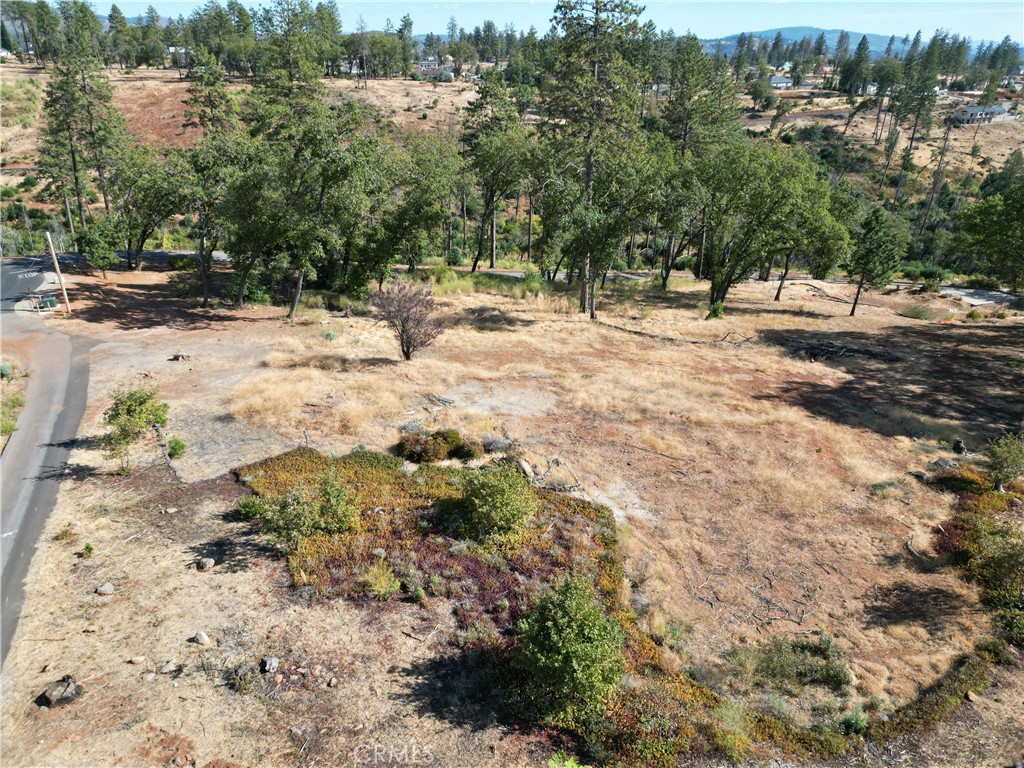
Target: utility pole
(56, 267)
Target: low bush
(569, 654)
(408, 309)
(716, 312)
(182, 263)
(786, 665)
(974, 314)
(1006, 459)
(919, 312)
(306, 510)
(380, 581)
(426, 448)
(497, 504)
(176, 447)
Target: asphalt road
(36, 457)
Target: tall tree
(877, 254)
(594, 101)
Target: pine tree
(877, 254)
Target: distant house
(982, 115)
(429, 65)
(780, 83)
(871, 89)
(5, 54)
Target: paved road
(37, 454)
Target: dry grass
(761, 493)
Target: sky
(977, 19)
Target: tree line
(601, 168)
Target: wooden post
(56, 267)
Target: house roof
(974, 111)
(779, 80)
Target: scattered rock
(149, 677)
(65, 691)
(959, 448)
(972, 697)
(47, 668)
(269, 665)
(305, 593)
(171, 510)
(333, 683)
(919, 475)
(105, 589)
(278, 679)
(169, 667)
(205, 563)
(136, 660)
(295, 733)
(179, 760)
(527, 469)
(180, 358)
(201, 638)
(91, 629)
(942, 464)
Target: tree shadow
(491, 319)
(913, 381)
(66, 471)
(457, 688)
(234, 554)
(87, 443)
(902, 603)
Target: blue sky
(978, 19)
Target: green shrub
(497, 504)
(29, 183)
(131, 413)
(6, 372)
(176, 447)
(568, 653)
(1011, 626)
(1006, 459)
(787, 665)
(717, 311)
(380, 581)
(182, 263)
(305, 511)
(974, 314)
(919, 312)
(437, 446)
(855, 722)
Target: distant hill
(795, 34)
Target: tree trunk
(74, 175)
(529, 231)
(782, 279)
(766, 270)
(67, 212)
(586, 295)
(204, 268)
(296, 295)
(630, 253)
(494, 235)
(243, 278)
(856, 298)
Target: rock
(171, 510)
(972, 697)
(942, 464)
(295, 733)
(305, 593)
(169, 667)
(495, 444)
(526, 468)
(919, 475)
(179, 760)
(91, 629)
(136, 660)
(333, 683)
(177, 357)
(201, 638)
(105, 589)
(205, 563)
(65, 691)
(47, 668)
(278, 679)
(269, 665)
(149, 677)
(959, 448)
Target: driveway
(36, 457)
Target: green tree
(703, 107)
(99, 242)
(994, 229)
(570, 654)
(877, 254)
(593, 105)
(208, 106)
(144, 189)
(130, 415)
(855, 74)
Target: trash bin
(49, 302)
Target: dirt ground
(759, 491)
